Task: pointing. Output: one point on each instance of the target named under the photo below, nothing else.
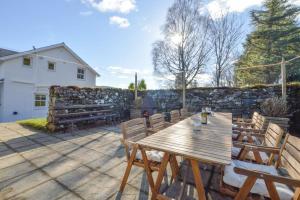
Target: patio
(87, 164)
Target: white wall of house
(22, 83)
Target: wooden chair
(271, 138)
(175, 116)
(157, 122)
(239, 122)
(257, 127)
(133, 131)
(280, 181)
(184, 113)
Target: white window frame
(40, 100)
(30, 58)
(80, 73)
(51, 70)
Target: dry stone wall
(240, 101)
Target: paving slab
(101, 187)
(130, 193)
(44, 161)
(77, 177)
(16, 170)
(70, 196)
(119, 170)
(24, 182)
(61, 166)
(10, 160)
(37, 152)
(50, 190)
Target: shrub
(274, 107)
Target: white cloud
(122, 6)
(86, 13)
(120, 21)
(216, 7)
(128, 72)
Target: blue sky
(113, 36)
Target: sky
(115, 37)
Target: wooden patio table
(210, 143)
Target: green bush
(37, 123)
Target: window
(80, 73)
(40, 100)
(51, 66)
(27, 61)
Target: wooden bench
(63, 117)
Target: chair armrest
(260, 135)
(267, 176)
(244, 124)
(248, 130)
(150, 131)
(252, 147)
(241, 120)
(168, 124)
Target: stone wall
(239, 101)
(68, 96)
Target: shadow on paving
(39, 139)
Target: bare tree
(225, 35)
(184, 48)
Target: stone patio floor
(86, 164)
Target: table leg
(148, 169)
(128, 168)
(174, 167)
(198, 180)
(160, 176)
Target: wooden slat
(290, 156)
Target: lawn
(36, 123)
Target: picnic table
(210, 143)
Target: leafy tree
(131, 86)
(142, 85)
(275, 35)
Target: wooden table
(210, 143)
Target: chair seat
(237, 180)
(250, 155)
(152, 155)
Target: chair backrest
(254, 117)
(280, 121)
(183, 113)
(134, 130)
(175, 116)
(290, 156)
(260, 122)
(157, 122)
(273, 135)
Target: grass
(36, 123)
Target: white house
(25, 78)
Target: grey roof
(6, 52)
